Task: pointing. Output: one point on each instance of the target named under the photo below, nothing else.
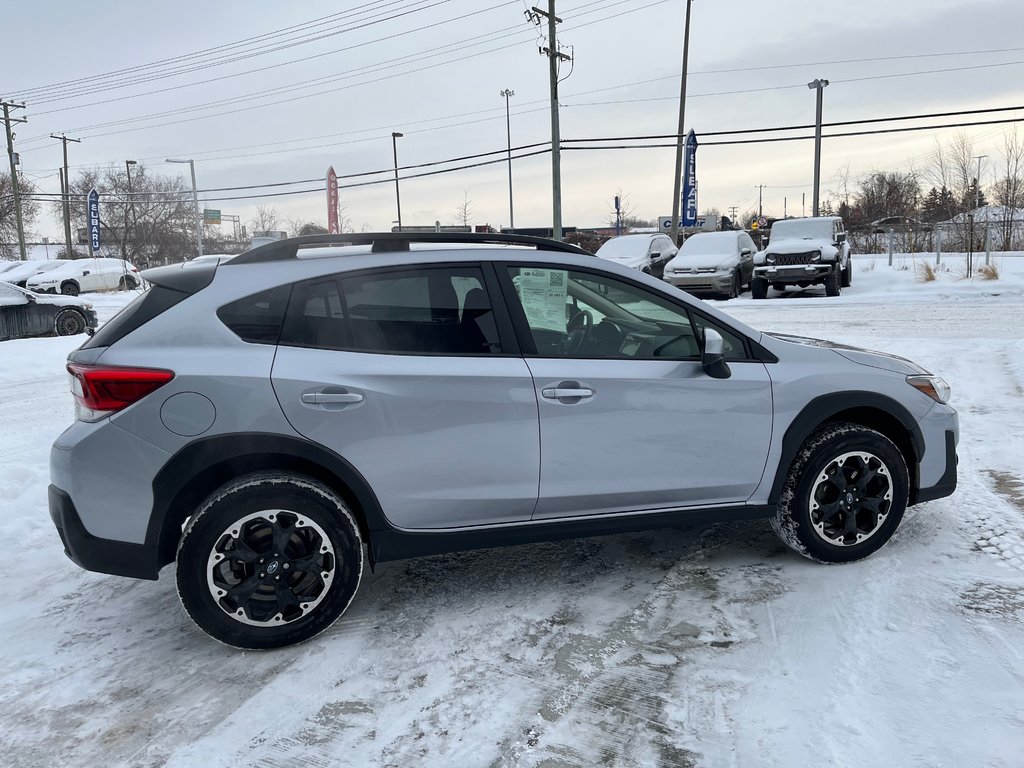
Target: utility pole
(554, 57)
(819, 85)
(70, 253)
(8, 120)
(508, 132)
(677, 181)
(760, 207)
(977, 203)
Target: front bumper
(701, 282)
(119, 558)
(91, 321)
(795, 272)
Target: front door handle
(567, 392)
(557, 393)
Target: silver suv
(265, 420)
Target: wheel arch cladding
(204, 465)
(868, 409)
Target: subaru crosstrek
(266, 420)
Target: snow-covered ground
(707, 647)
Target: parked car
(23, 313)
(804, 252)
(21, 271)
(648, 253)
(79, 275)
(264, 420)
(713, 262)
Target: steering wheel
(577, 331)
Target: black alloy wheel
(269, 560)
(844, 495)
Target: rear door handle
(321, 398)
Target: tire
(238, 531)
(70, 288)
(832, 283)
(734, 287)
(69, 322)
(759, 288)
(847, 278)
(127, 283)
(843, 451)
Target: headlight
(934, 386)
(816, 256)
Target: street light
(395, 135)
(195, 202)
(819, 85)
(508, 132)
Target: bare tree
(151, 225)
(8, 220)
(1009, 189)
(463, 213)
(627, 214)
(265, 219)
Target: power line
(85, 89)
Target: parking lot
(711, 646)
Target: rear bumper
(118, 558)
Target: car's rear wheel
(847, 275)
(127, 283)
(759, 288)
(69, 322)
(844, 496)
(269, 560)
(70, 288)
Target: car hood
(635, 260)
(684, 263)
(868, 357)
(801, 246)
(42, 298)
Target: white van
(80, 275)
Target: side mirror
(841, 238)
(655, 256)
(85, 272)
(712, 356)
(746, 252)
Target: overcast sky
(433, 69)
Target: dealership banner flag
(689, 200)
(332, 201)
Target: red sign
(332, 201)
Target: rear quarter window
(140, 311)
(257, 318)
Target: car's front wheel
(759, 288)
(269, 560)
(69, 322)
(844, 496)
(70, 288)
(833, 282)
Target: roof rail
(387, 242)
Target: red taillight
(100, 390)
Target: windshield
(802, 229)
(621, 247)
(712, 242)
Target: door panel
(653, 434)
(443, 441)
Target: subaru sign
(689, 200)
(94, 221)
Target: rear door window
(429, 311)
